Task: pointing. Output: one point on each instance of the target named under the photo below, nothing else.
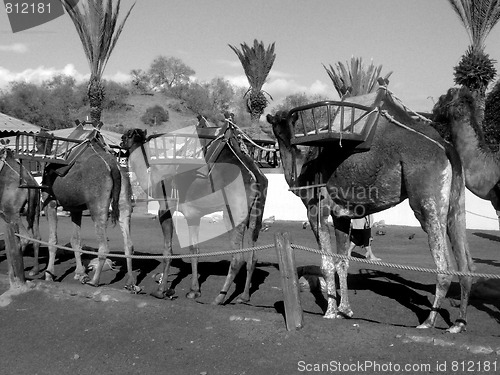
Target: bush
(155, 115)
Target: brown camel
(13, 199)
(457, 109)
(227, 180)
(94, 181)
(406, 160)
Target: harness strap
(394, 121)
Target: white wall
(284, 205)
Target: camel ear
(270, 119)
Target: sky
(420, 41)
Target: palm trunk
(96, 98)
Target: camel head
(133, 138)
(456, 104)
(281, 127)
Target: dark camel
(14, 199)
(457, 109)
(93, 182)
(228, 181)
(406, 161)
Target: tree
(140, 80)
(355, 79)
(221, 94)
(167, 72)
(476, 69)
(297, 100)
(96, 24)
(155, 115)
(257, 62)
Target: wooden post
(15, 261)
(289, 282)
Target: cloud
(16, 47)
(40, 74)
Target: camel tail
(115, 194)
(456, 214)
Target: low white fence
(284, 205)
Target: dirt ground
(68, 328)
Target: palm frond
(354, 79)
(478, 18)
(95, 22)
(257, 62)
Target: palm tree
(355, 79)
(257, 62)
(476, 70)
(96, 24)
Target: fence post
(14, 257)
(289, 282)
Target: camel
(227, 180)
(481, 166)
(13, 199)
(93, 180)
(406, 160)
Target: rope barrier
(265, 247)
(486, 217)
(179, 256)
(398, 266)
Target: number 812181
(27, 8)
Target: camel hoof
(337, 315)
(243, 300)
(346, 313)
(135, 289)
(90, 283)
(424, 326)
(193, 294)
(458, 327)
(34, 272)
(169, 293)
(219, 300)
(49, 276)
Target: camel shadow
(407, 293)
(207, 269)
(487, 236)
(484, 296)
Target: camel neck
(288, 154)
(481, 166)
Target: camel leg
(167, 227)
(194, 228)
(434, 224)
(319, 226)
(51, 214)
(236, 239)
(100, 222)
(24, 243)
(76, 245)
(125, 214)
(460, 248)
(342, 265)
